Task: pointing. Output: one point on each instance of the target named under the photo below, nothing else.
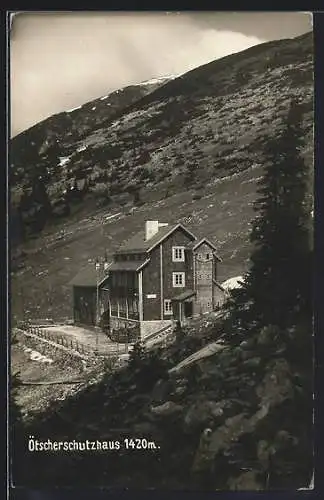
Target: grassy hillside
(199, 143)
(209, 122)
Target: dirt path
(95, 340)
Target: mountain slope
(39, 152)
(198, 153)
(209, 122)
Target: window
(167, 306)
(178, 279)
(207, 256)
(178, 254)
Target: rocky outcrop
(166, 409)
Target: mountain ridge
(193, 157)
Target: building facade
(89, 295)
(161, 275)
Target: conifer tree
(277, 288)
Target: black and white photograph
(161, 213)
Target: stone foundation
(130, 329)
(123, 329)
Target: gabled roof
(135, 265)
(194, 245)
(137, 243)
(203, 240)
(89, 276)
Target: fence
(61, 340)
(74, 344)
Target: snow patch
(73, 109)
(64, 160)
(157, 80)
(104, 97)
(81, 148)
(94, 107)
(231, 283)
(111, 216)
(37, 356)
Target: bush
(146, 367)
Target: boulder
(166, 409)
(180, 390)
(234, 427)
(252, 362)
(276, 385)
(202, 412)
(138, 399)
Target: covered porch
(183, 306)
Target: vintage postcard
(161, 234)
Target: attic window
(207, 256)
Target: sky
(60, 60)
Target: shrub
(146, 367)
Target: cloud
(59, 61)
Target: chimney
(151, 228)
